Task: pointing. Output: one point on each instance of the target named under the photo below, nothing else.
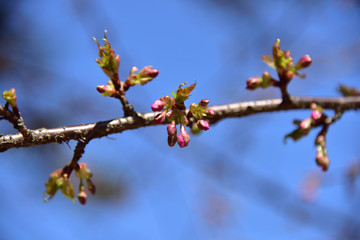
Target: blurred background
(236, 181)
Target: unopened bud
(106, 91)
(202, 124)
(322, 160)
(210, 112)
(316, 115)
(304, 62)
(172, 140)
(171, 129)
(204, 103)
(10, 97)
(82, 196)
(148, 71)
(253, 83)
(183, 138)
(158, 105)
(306, 124)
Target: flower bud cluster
(173, 110)
(144, 76)
(284, 65)
(60, 181)
(317, 117)
(109, 63)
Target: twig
(104, 128)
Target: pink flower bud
(148, 71)
(316, 115)
(82, 196)
(204, 103)
(172, 140)
(210, 112)
(202, 124)
(253, 83)
(322, 161)
(160, 118)
(171, 129)
(306, 124)
(158, 105)
(183, 138)
(304, 62)
(106, 91)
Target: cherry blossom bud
(322, 160)
(210, 112)
(253, 83)
(158, 105)
(183, 138)
(204, 102)
(306, 124)
(171, 129)
(82, 196)
(148, 71)
(304, 62)
(316, 115)
(202, 124)
(172, 140)
(108, 90)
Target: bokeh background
(238, 180)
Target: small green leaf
(348, 91)
(268, 60)
(297, 134)
(183, 94)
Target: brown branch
(104, 128)
(15, 119)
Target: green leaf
(183, 94)
(297, 134)
(268, 60)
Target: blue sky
(236, 181)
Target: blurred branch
(104, 128)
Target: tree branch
(104, 128)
